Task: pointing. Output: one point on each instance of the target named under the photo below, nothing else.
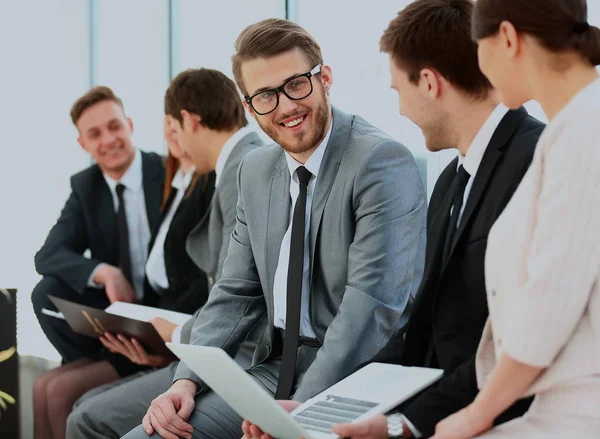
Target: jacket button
(493, 293)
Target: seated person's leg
(212, 417)
(41, 426)
(111, 414)
(71, 346)
(64, 389)
(108, 386)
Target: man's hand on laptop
(372, 428)
(168, 412)
(133, 350)
(251, 431)
(117, 287)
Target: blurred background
(54, 50)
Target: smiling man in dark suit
(435, 71)
(112, 211)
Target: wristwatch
(395, 426)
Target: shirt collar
(132, 178)
(183, 180)
(227, 148)
(314, 161)
(472, 159)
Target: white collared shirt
(155, 267)
(472, 159)
(227, 148)
(137, 221)
(280, 285)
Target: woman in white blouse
(542, 337)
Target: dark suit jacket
(451, 308)
(188, 284)
(88, 221)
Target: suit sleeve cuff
(184, 373)
(416, 433)
(90, 282)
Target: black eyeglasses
(296, 88)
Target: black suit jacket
(188, 284)
(88, 221)
(450, 308)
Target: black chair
(9, 366)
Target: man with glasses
(328, 244)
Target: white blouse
(542, 264)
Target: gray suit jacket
(207, 242)
(367, 244)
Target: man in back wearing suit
(209, 119)
(328, 244)
(112, 211)
(434, 69)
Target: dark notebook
(94, 322)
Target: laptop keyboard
(322, 415)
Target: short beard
(304, 141)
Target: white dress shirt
(471, 162)
(156, 271)
(280, 285)
(227, 148)
(137, 222)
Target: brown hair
(436, 34)
(93, 97)
(272, 37)
(209, 94)
(171, 168)
(559, 25)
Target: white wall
(133, 59)
(47, 54)
(44, 69)
(208, 31)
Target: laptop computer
(374, 389)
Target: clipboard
(94, 322)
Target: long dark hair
(559, 25)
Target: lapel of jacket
(436, 236)
(327, 173)
(152, 178)
(499, 140)
(107, 217)
(277, 219)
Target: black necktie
(461, 179)
(123, 232)
(294, 290)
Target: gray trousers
(110, 411)
(212, 417)
(113, 410)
